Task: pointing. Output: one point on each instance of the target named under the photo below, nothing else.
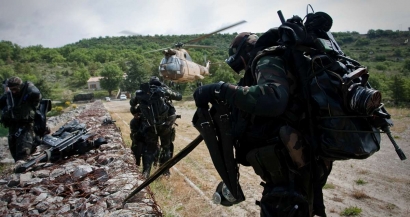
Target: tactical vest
(153, 105)
(23, 110)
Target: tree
(81, 76)
(406, 66)
(44, 87)
(6, 72)
(400, 89)
(136, 74)
(112, 77)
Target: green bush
(351, 211)
(3, 131)
(362, 42)
(380, 58)
(381, 67)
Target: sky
(55, 23)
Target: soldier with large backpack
(300, 105)
(154, 100)
(19, 105)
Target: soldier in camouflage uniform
(136, 135)
(20, 118)
(164, 130)
(265, 133)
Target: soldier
(264, 134)
(19, 104)
(137, 136)
(155, 102)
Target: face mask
(234, 60)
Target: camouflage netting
(93, 184)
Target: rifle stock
(166, 166)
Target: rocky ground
(93, 184)
(378, 186)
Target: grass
(329, 186)
(390, 206)
(401, 120)
(3, 131)
(360, 182)
(360, 195)
(5, 167)
(351, 211)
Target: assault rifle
(72, 140)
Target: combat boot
(164, 157)
(147, 160)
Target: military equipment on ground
(83, 97)
(108, 121)
(70, 139)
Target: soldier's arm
(271, 94)
(172, 94)
(133, 103)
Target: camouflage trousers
(21, 141)
(165, 134)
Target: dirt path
(379, 185)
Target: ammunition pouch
(282, 201)
(268, 163)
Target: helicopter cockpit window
(169, 59)
(187, 57)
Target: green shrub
(351, 211)
(3, 131)
(381, 67)
(360, 182)
(380, 58)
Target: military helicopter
(177, 65)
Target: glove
(206, 94)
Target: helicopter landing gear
(171, 84)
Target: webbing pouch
(267, 164)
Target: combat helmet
(154, 80)
(239, 50)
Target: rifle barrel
(166, 166)
(23, 167)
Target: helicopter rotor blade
(219, 30)
(180, 44)
(127, 32)
(161, 49)
(198, 46)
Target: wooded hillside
(62, 72)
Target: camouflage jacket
(25, 105)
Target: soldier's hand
(207, 94)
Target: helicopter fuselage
(178, 66)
